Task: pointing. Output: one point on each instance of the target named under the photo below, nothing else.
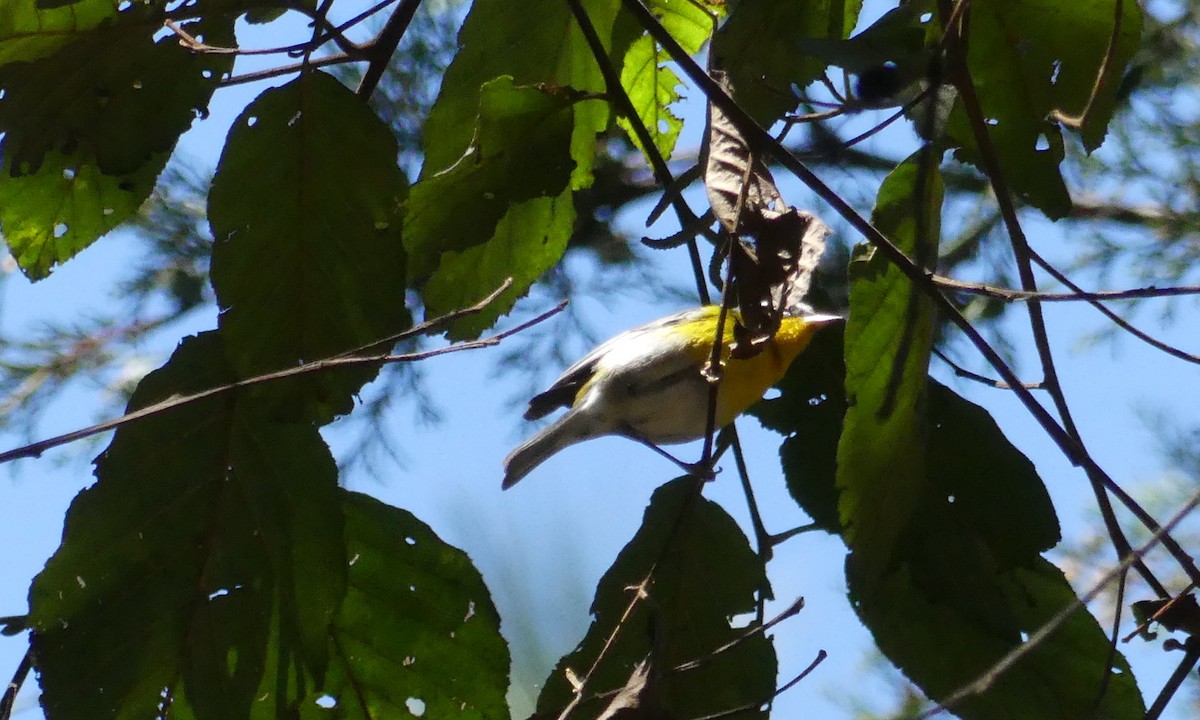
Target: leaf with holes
(210, 519)
(320, 270)
(704, 574)
(86, 130)
(50, 215)
(652, 88)
(417, 633)
(1031, 57)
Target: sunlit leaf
(50, 215)
(87, 129)
(30, 29)
(534, 42)
(888, 339)
(652, 88)
(528, 241)
(520, 152)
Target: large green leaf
(969, 585)
(704, 574)
(417, 626)
(534, 42)
(320, 269)
(204, 522)
(520, 152)
(758, 46)
(528, 241)
(1030, 57)
(888, 339)
(88, 127)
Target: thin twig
(1166, 607)
(339, 360)
(821, 655)
(9, 700)
(195, 45)
(1013, 295)
(788, 612)
(268, 73)
(1115, 318)
(962, 372)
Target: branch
(617, 95)
(335, 59)
(9, 700)
(962, 372)
(922, 279)
(1190, 657)
(1011, 295)
(380, 50)
(1024, 255)
(344, 359)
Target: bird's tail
(569, 429)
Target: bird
(649, 384)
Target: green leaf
(528, 241)
(87, 129)
(114, 91)
(30, 30)
(704, 574)
(1028, 58)
(970, 585)
(809, 411)
(652, 88)
(889, 335)
(203, 519)
(320, 269)
(758, 48)
(690, 23)
(417, 624)
(520, 152)
(534, 42)
(50, 215)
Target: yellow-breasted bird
(648, 384)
